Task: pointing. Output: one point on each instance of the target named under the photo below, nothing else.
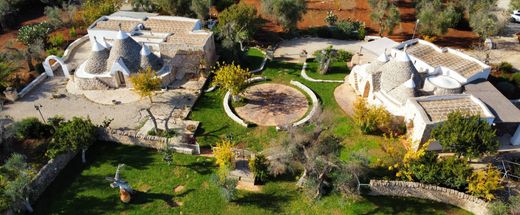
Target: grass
(82, 189)
(337, 71)
(254, 58)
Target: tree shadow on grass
(140, 198)
(400, 205)
(132, 156)
(272, 201)
(202, 167)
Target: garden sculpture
(124, 188)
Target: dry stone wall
(48, 173)
(132, 137)
(430, 192)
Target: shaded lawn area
(81, 189)
(337, 71)
(253, 59)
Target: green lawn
(82, 189)
(254, 58)
(337, 71)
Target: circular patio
(273, 105)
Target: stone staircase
(103, 84)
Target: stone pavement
(273, 105)
(345, 97)
(290, 50)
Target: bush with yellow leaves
(224, 156)
(483, 183)
(370, 118)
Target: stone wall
(48, 173)
(132, 137)
(430, 192)
(37, 81)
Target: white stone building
(423, 83)
(127, 42)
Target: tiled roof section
(466, 68)
(190, 39)
(113, 24)
(169, 26)
(438, 110)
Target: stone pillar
(515, 140)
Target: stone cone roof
(149, 59)
(97, 61)
(402, 93)
(397, 71)
(127, 49)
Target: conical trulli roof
(149, 59)
(97, 61)
(127, 49)
(397, 71)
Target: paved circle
(273, 105)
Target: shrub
(331, 18)
(465, 135)
(450, 172)
(498, 208)
(516, 78)
(31, 128)
(57, 40)
(483, 183)
(55, 51)
(73, 135)
(259, 167)
(505, 67)
(29, 34)
(343, 30)
(54, 16)
(368, 118)
(223, 4)
(72, 33)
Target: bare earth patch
(273, 105)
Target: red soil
(359, 10)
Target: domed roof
(373, 67)
(126, 48)
(402, 92)
(398, 71)
(149, 59)
(97, 61)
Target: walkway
(79, 55)
(345, 97)
(290, 50)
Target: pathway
(345, 97)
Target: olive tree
(436, 17)
(286, 12)
(146, 5)
(466, 135)
(174, 7)
(34, 38)
(385, 14)
(484, 23)
(145, 83)
(236, 25)
(201, 8)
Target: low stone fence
(304, 75)
(132, 137)
(430, 192)
(315, 103)
(48, 173)
(227, 102)
(37, 81)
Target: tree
(482, 183)
(260, 167)
(54, 16)
(74, 135)
(201, 8)
(237, 24)
(17, 187)
(318, 153)
(436, 17)
(465, 135)
(6, 69)
(385, 14)
(286, 12)
(8, 8)
(91, 10)
(145, 83)
(232, 78)
(484, 23)
(34, 38)
(146, 5)
(514, 5)
(330, 55)
(174, 7)
(224, 157)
